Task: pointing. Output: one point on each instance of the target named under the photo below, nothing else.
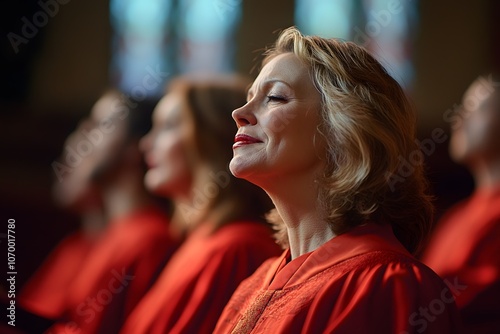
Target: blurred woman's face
(76, 191)
(476, 135)
(277, 127)
(165, 148)
(107, 155)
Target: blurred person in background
(323, 126)
(465, 247)
(188, 152)
(137, 242)
(45, 293)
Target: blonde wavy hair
(370, 128)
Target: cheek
(457, 143)
(281, 119)
(290, 129)
(299, 135)
(477, 131)
(107, 150)
(489, 128)
(172, 169)
(170, 152)
(469, 138)
(111, 141)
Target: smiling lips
(241, 140)
(150, 162)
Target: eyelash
(275, 98)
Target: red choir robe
(466, 247)
(200, 278)
(118, 273)
(45, 293)
(363, 281)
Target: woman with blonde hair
(324, 133)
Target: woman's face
(277, 128)
(165, 148)
(75, 191)
(107, 154)
(476, 136)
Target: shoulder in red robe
(200, 278)
(118, 273)
(45, 293)
(363, 281)
(465, 248)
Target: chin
(236, 169)
(251, 171)
(151, 183)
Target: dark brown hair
(210, 102)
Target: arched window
(164, 38)
(139, 45)
(206, 35)
(325, 18)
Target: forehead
(168, 107)
(286, 67)
(480, 90)
(105, 107)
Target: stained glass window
(139, 45)
(158, 39)
(385, 27)
(206, 35)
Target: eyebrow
(267, 83)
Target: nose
(244, 116)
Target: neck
(189, 214)
(487, 174)
(124, 196)
(297, 203)
(93, 221)
(195, 206)
(186, 214)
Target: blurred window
(387, 28)
(155, 40)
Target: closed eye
(275, 98)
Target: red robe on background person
(45, 293)
(363, 281)
(466, 247)
(118, 273)
(201, 277)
